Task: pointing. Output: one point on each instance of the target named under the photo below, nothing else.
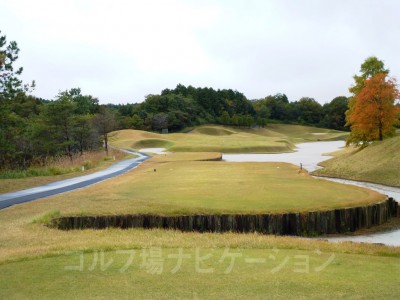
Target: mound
(188, 156)
(211, 130)
(379, 163)
(152, 143)
(214, 138)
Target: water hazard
(308, 155)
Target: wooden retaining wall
(297, 224)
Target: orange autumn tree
(374, 112)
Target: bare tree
(105, 122)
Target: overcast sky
(121, 51)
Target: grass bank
(378, 163)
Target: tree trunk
(106, 142)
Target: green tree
(261, 122)
(58, 116)
(10, 84)
(277, 106)
(369, 68)
(310, 111)
(334, 113)
(241, 121)
(84, 133)
(225, 118)
(85, 104)
(264, 112)
(235, 120)
(249, 120)
(137, 122)
(160, 121)
(13, 126)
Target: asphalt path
(71, 184)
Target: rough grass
(275, 138)
(298, 133)
(379, 163)
(93, 162)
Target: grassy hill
(378, 163)
(212, 138)
(38, 262)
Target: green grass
(214, 130)
(190, 187)
(379, 163)
(46, 217)
(346, 276)
(152, 143)
(212, 138)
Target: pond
(390, 238)
(309, 155)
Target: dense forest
(183, 107)
(34, 130)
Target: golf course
(191, 179)
(174, 149)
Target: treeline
(33, 130)
(184, 107)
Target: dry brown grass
(94, 158)
(98, 159)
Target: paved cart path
(71, 184)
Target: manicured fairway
(167, 187)
(205, 273)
